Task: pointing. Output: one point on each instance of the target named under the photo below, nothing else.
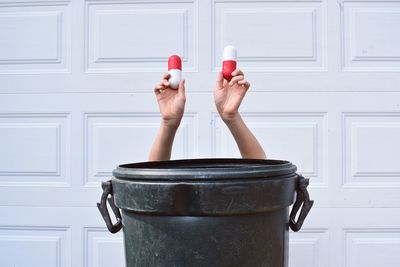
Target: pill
(229, 62)
(175, 71)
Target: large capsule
(229, 62)
(175, 70)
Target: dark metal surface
(302, 198)
(212, 197)
(248, 240)
(102, 206)
(206, 212)
(204, 169)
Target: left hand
(170, 101)
(229, 95)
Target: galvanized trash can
(206, 212)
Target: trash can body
(258, 239)
(206, 212)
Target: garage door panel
(299, 136)
(133, 36)
(370, 40)
(136, 133)
(35, 37)
(371, 149)
(35, 149)
(272, 36)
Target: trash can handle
(102, 206)
(302, 198)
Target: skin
(227, 95)
(171, 103)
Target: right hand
(170, 101)
(229, 95)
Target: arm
(228, 97)
(162, 146)
(172, 105)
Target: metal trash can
(206, 212)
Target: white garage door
(76, 82)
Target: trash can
(206, 212)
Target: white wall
(76, 99)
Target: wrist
(170, 124)
(231, 118)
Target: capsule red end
(174, 63)
(229, 62)
(228, 66)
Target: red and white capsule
(229, 62)
(175, 71)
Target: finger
(220, 80)
(166, 76)
(181, 88)
(245, 83)
(236, 79)
(165, 83)
(157, 91)
(237, 72)
(159, 86)
(225, 83)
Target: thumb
(181, 88)
(220, 81)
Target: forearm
(162, 147)
(247, 143)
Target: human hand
(229, 95)
(170, 101)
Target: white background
(76, 84)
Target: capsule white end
(229, 53)
(176, 76)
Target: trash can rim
(204, 169)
